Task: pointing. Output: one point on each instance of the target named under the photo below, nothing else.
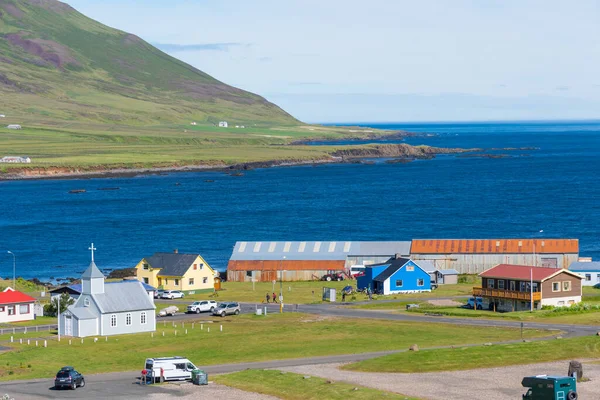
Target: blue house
(366, 280)
(589, 271)
(402, 275)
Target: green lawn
(37, 321)
(244, 338)
(291, 386)
(463, 358)
(303, 292)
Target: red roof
(13, 297)
(501, 246)
(522, 272)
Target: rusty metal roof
(498, 246)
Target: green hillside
(59, 65)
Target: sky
(384, 60)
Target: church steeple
(92, 280)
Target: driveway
(489, 384)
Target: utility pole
(14, 270)
(58, 314)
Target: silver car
(227, 309)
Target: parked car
(227, 309)
(202, 306)
(172, 294)
(169, 311)
(158, 294)
(335, 276)
(471, 303)
(67, 377)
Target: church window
(128, 319)
(143, 318)
(113, 320)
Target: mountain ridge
(79, 69)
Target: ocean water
(554, 189)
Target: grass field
(463, 358)
(244, 338)
(293, 292)
(291, 386)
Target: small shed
(14, 126)
(446, 277)
(218, 283)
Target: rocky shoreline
(348, 154)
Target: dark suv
(68, 377)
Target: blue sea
(550, 192)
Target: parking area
(490, 383)
(117, 386)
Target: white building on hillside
(223, 124)
(14, 126)
(15, 159)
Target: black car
(69, 378)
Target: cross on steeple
(92, 248)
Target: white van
(170, 368)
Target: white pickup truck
(202, 306)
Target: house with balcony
(513, 287)
(176, 271)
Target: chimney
(176, 251)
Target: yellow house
(176, 271)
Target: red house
(16, 306)
(513, 287)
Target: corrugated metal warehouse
(477, 255)
(302, 261)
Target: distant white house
(223, 124)
(2, 116)
(193, 123)
(14, 126)
(15, 159)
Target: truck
(169, 311)
(202, 306)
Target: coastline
(396, 153)
(337, 155)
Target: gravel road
(213, 391)
(490, 384)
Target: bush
(51, 308)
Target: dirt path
(489, 384)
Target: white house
(589, 271)
(15, 159)
(223, 124)
(14, 126)
(111, 309)
(193, 123)
(16, 306)
(2, 116)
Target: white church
(103, 310)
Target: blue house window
(420, 282)
(399, 283)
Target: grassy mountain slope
(57, 64)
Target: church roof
(81, 312)
(92, 272)
(126, 296)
